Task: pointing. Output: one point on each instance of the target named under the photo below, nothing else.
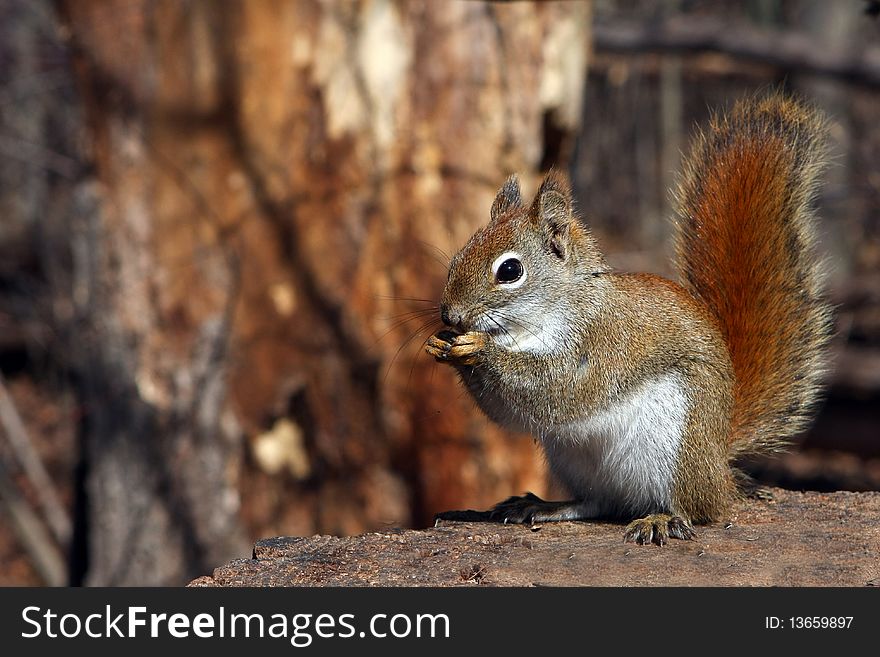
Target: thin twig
(32, 465)
(45, 556)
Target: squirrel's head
(521, 276)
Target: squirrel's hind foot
(529, 509)
(658, 529)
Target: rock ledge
(795, 539)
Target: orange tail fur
(745, 246)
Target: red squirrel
(643, 392)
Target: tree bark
(275, 181)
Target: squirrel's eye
(509, 271)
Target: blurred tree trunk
(274, 179)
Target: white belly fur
(622, 460)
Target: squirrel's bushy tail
(745, 246)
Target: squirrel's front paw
(459, 349)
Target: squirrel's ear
(554, 213)
(508, 198)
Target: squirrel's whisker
(419, 331)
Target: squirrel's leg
(658, 528)
(702, 484)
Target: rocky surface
(793, 539)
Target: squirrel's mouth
(489, 326)
(498, 332)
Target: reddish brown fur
(745, 247)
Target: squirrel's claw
(658, 529)
(438, 347)
(448, 347)
(530, 509)
(517, 509)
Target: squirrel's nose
(449, 318)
